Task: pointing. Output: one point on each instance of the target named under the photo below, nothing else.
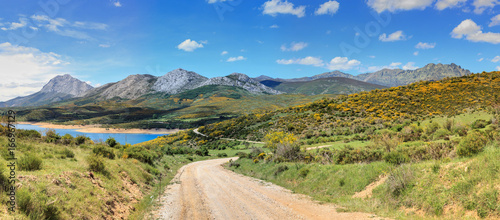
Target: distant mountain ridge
(330, 85)
(391, 77)
(59, 88)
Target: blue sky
(101, 41)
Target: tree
(111, 142)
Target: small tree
(274, 139)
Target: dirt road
(205, 190)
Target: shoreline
(98, 129)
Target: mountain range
(178, 81)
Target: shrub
(288, 152)
(400, 180)
(29, 134)
(30, 162)
(234, 164)
(480, 123)
(80, 139)
(51, 136)
(396, 158)
(440, 134)
(303, 172)
(472, 144)
(67, 139)
(431, 128)
(448, 124)
(24, 201)
(388, 141)
(96, 163)
(68, 153)
(104, 151)
(111, 142)
(221, 155)
(152, 170)
(280, 169)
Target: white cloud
(275, 7)
(395, 5)
(415, 53)
(329, 7)
(117, 4)
(342, 63)
(238, 58)
(274, 26)
(104, 45)
(425, 46)
(496, 59)
(498, 68)
(395, 64)
(482, 5)
(472, 32)
(189, 45)
(313, 61)
(64, 27)
(14, 25)
(294, 46)
(28, 70)
(410, 66)
(480, 59)
(224, 53)
(372, 56)
(396, 36)
(495, 21)
(444, 4)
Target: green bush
(30, 162)
(221, 155)
(280, 169)
(104, 151)
(51, 136)
(480, 123)
(96, 163)
(111, 142)
(441, 133)
(242, 154)
(431, 128)
(472, 144)
(67, 139)
(28, 134)
(234, 164)
(152, 170)
(80, 140)
(396, 158)
(400, 180)
(68, 153)
(303, 172)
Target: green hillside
(333, 85)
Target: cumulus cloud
(28, 70)
(294, 46)
(498, 68)
(495, 59)
(393, 65)
(275, 7)
(189, 45)
(495, 21)
(224, 53)
(482, 5)
(444, 4)
(342, 63)
(469, 30)
(330, 7)
(396, 5)
(396, 36)
(238, 58)
(274, 26)
(425, 46)
(66, 28)
(104, 45)
(312, 61)
(410, 66)
(415, 53)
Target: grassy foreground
(461, 188)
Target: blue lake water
(121, 138)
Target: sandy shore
(99, 129)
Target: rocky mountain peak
(177, 81)
(66, 84)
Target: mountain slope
(178, 81)
(332, 85)
(398, 77)
(59, 88)
(132, 87)
(240, 80)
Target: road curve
(205, 190)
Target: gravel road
(205, 190)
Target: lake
(121, 138)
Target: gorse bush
(480, 123)
(472, 144)
(400, 180)
(111, 142)
(396, 158)
(30, 162)
(104, 151)
(96, 163)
